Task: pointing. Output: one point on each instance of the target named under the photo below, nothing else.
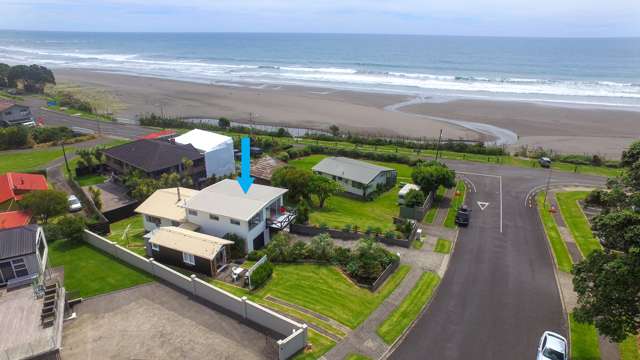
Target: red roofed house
(14, 185)
(160, 135)
(13, 219)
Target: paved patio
(155, 321)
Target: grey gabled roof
(18, 241)
(356, 170)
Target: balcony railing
(282, 220)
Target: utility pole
(66, 162)
(438, 146)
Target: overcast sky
(587, 18)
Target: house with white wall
(359, 178)
(165, 207)
(223, 208)
(217, 149)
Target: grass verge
(576, 221)
(433, 211)
(357, 357)
(409, 309)
(558, 247)
(456, 202)
(443, 246)
(584, 341)
(89, 271)
(319, 346)
(629, 349)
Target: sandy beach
(563, 129)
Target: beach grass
(558, 246)
(456, 202)
(584, 341)
(409, 309)
(577, 222)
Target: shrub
(302, 212)
(414, 198)
(14, 137)
(341, 256)
(321, 247)
(283, 156)
(255, 255)
(237, 249)
(279, 249)
(298, 251)
(390, 234)
(346, 228)
(261, 274)
(96, 197)
(68, 227)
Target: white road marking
(470, 183)
(491, 176)
(553, 184)
(483, 205)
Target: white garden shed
(217, 150)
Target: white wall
(220, 162)
(295, 333)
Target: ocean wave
(361, 76)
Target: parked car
(552, 347)
(463, 216)
(74, 203)
(545, 162)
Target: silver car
(552, 347)
(74, 203)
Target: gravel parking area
(155, 321)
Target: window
(188, 259)
(193, 212)
(7, 113)
(257, 219)
(19, 267)
(214, 217)
(155, 247)
(153, 219)
(234, 222)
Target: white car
(74, 203)
(552, 347)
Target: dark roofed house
(14, 114)
(154, 158)
(263, 168)
(23, 254)
(358, 178)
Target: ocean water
(596, 72)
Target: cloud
(461, 17)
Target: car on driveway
(463, 216)
(552, 347)
(74, 203)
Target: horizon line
(321, 33)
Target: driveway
(499, 293)
(155, 321)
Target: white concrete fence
(295, 333)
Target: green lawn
(443, 246)
(584, 341)
(417, 244)
(323, 289)
(456, 202)
(357, 357)
(27, 161)
(341, 210)
(409, 309)
(629, 349)
(577, 222)
(319, 346)
(89, 271)
(134, 240)
(431, 214)
(558, 247)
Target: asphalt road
(499, 294)
(52, 118)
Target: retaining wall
(295, 334)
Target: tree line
(30, 78)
